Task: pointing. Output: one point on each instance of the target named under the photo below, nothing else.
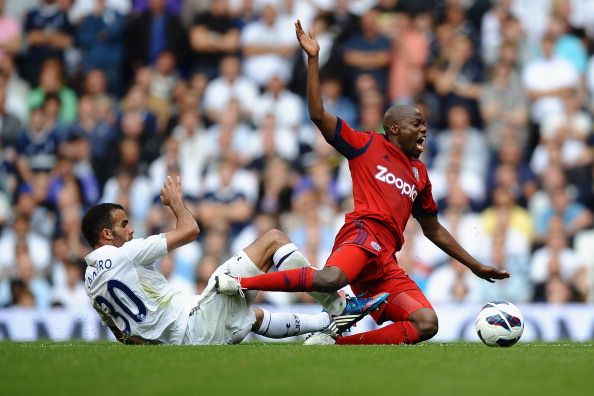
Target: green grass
(288, 369)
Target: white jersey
(125, 287)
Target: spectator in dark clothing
(152, 32)
(368, 52)
(100, 37)
(48, 34)
(213, 35)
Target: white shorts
(222, 319)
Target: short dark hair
(96, 219)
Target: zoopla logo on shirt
(388, 177)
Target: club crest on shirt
(376, 246)
(415, 172)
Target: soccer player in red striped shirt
(389, 184)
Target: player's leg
(281, 325)
(413, 317)
(273, 248)
(343, 265)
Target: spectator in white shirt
(230, 85)
(267, 47)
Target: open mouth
(420, 143)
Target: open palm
(308, 42)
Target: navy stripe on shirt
(343, 146)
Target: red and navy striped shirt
(388, 186)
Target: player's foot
(227, 284)
(356, 308)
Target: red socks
(403, 332)
(299, 279)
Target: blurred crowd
(101, 99)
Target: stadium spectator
(72, 295)
(503, 105)
(568, 46)
(19, 238)
(98, 133)
(151, 32)
(51, 83)
(163, 78)
(48, 34)
(492, 30)
(80, 9)
(229, 196)
(37, 147)
(453, 283)
(25, 272)
(10, 42)
(576, 216)
(125, 188)
(214, 35)
(507, 249)
(510, 171)
(284, 105)
(410, 51)
(10, 125)
(368, 52)
(229, 86)
(17, 89)
(547, 79)
(555, 260)
(457, 76)
(335, 101)
(267, 47)
(100, 38)
(461, 142)
(172, 6)
(95, 86)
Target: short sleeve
(349, 142)
(425, 205)
(146, 251)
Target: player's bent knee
(329, 279)
(427, 329)
(259, 312)
(426, 322)
(276, 237)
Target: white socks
(281, 325)
(289, 257)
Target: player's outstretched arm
(437, 234)
(186, 228)
(325, 121)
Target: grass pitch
(289, 369)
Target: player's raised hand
(490, 274)
(171, 191)
(308, 42)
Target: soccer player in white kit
(140, 307)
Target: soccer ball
(499, 323)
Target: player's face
(413, 134)
(122, 230)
